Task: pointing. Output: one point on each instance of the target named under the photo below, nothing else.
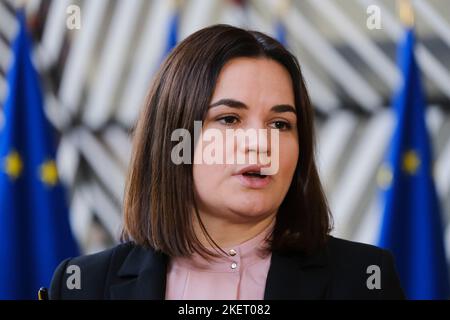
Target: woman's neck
(226, 233)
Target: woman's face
(251, 93)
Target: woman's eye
(281, 125)
(228, 120)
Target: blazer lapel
(142, 276)
(293, 277)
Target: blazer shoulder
(344, 249)
(84, 277)
(364, 268)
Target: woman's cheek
(288, 156)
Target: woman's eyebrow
(229, 103)
(279, 108)
(232, 103)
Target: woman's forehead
(254, 81)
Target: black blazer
(339, 271)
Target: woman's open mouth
(251, 177)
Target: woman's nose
(258, 143)
(256, 139)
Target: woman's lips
(253, 182)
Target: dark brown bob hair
(159, 197)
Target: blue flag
(280, 31)
(411, 226)
(34, 229)
(172, 38)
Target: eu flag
(173, 32)
(411, 226)
(34, 228)
(280, 31)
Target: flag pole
(282, 8)
(177, 4)
(406, 13)
(21, 4)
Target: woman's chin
(252, 207)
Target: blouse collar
(238, 256)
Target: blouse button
(234, 265)
(232, 252)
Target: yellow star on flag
(13, 165)
(49, 172)
(410, 162)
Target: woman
(196, 227)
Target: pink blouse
(239, 276)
